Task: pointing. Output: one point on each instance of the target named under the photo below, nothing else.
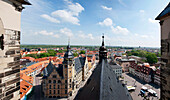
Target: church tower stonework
(67, 70)
(102, 51)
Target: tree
(75, 54)
(60, 51)
(44, 55)
(32, 55)
(128, 53)
(151, 58)
(82, 52)
(52, 52)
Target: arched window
(49, 81)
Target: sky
(123, 22)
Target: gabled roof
(78, 66)
(103, 85)
(49, 69)
(82, 61)
(165, 12)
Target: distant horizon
(92, 45)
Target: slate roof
(82, 61)
(68, 53)
(103, 85)
(115, 66)
(166, 11)
(78, 66)
(49, 69)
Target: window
(54, 81)
(50, 92)
(65, 91)
(70, 85)
(58, 86)
(65, 86)
(54, 86)
(49, 86)
(2, 42)
(49, 81)
(58, 91)
(65, 81)
(70, 80)
(54, 76)
(70, 71)
(54, 92)
(59, 81)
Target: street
(132, 80)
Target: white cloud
(66, 32)
(51, 19)
(141, 11)
(90, 36)
(66, 16)
(106, 8)
(44, 32)
(106, 22)
(144, 36)
(136, 34)
(119, 30)
(75, 8)
(122, 3)
(56, 35)
(85, 36)
(69, 15)
(152, 21)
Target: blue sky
(124, 22)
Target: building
(103, 83)
(132, 68)
(85, 68)
(77, 72)
(157, 77)
(142, 71)
(117, 69)
(125, 63)
(26, 86)
(24, 61)
(164, 18)
(10, 47)
(58, 80)
(91, 61)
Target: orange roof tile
(24, 88)
(29, 58)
